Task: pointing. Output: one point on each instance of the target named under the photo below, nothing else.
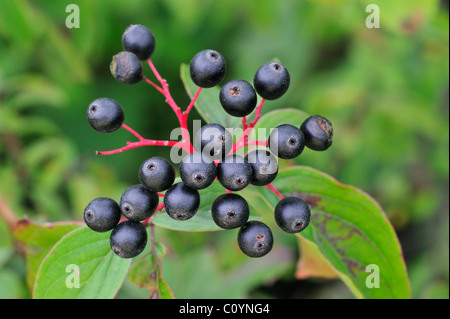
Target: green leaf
(208, 104)
(143, 271)
(37, 241)
(101, 272)
(349, 229)
(146, 274)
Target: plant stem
(273, 189)
(243, 140)
(182, 117)
(188, 109)
(143, 142)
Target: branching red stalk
(154, 85)
(182, 117)
(243, 140)
(257, 114)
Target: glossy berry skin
(137, 203)
(271, 80)
(128, 239)
(264, 167)
(255, 239)
(157, 174)
(139, 40)
(207, 68)
(105, 115)
(197, 170)
(286, 141)
(238, 98)
(318, 132)
(102, 214)
(234, 173)
(181, 202)
(292, 214)
(230, 211)
(126, 68)
(214, 140)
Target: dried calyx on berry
(126, 68)
(238, 98)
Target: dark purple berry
(156, 174)
(139, 40)
(138, 203)
(214, 141)
(271, 80)
(230, 211)
(234, 173)
(238, 98)
(264, 167)
(197, 170)
(255, 239)
(292, 214)
(286, 141)
(105, 115)
(102, 214)
(318, 132)
(181, 202)
(128, 239)
(126, 68)
(207, 68)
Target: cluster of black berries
(212, 158)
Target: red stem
(182, 118)
(244, 123)
(129, 129)
(273, 189)
(257, 114)
(159, 208)
(243, 140)
(154, 85)
(188, 110)
(143, 142)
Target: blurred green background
(385, 91)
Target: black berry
(292, 214)
(264, 167)
(105, 115)
(214, 140)
(138, 203)
(139, 40)
(318, 132)
(128, 239)
(230, 211)
(207, 68)
(255, 239)
(234, 173)
(271, 80)
(238, 98)
(102, 214)
(197, 170)
(126, 68)
(156, 174)
(181, 202)
(286, 141)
